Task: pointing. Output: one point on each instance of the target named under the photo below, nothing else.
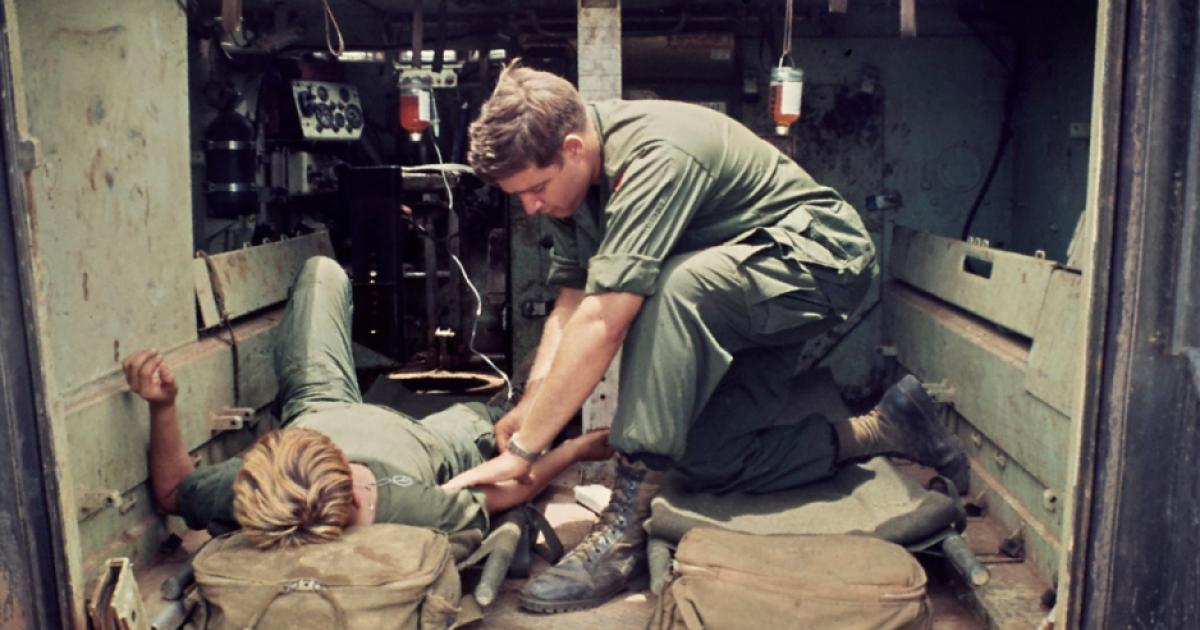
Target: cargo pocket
(781, 292)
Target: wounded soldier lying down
(337, 461)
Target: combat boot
(611, 554)
(905, 423)
(925, 439)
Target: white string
(463, 271)
(329, 17)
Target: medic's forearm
(590, 341)
(552, 332)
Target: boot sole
(545, 607)
(956, 468)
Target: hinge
(29, 154)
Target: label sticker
(423, 106)
(790, 99)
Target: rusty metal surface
(109, 203)
(1092, 253)
(28, 593)
(1011, 297)
(254, 277)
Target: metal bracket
(98, 500)
(941, 392)
(29, 153)
(1050, 500)
(101, 499)
(979, 241)
(116, 603)
(231, 419)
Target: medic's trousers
(707, 363)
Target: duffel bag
(727, 580)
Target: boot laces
(613, 519)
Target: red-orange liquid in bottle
(414, 113)
(783, 100)
(777, 102)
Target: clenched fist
(149, 377)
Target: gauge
(354, 117)
(324, 116)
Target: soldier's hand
(150, 377)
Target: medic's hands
(503, 467)
(150, 377)
(508, 425)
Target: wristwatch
(515, 448)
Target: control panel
(328, 111)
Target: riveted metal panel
(1010, 296)
(109, 430)
(987, 372)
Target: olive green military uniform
(315, 366)
(742, 257)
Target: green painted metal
(109, 432)
(987, 372)
(1054, 373)
(254, 277)
(1012, 295)
(1015, 499)
(137, 532)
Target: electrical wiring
(463, 272)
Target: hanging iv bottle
(415, 105)
(787, 84)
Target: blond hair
(294, 488)
(524, 122)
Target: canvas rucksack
(379, 576)
(728, 580)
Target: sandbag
(378, 576)
(729, 580)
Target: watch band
(515, 448)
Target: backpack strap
(302, 585)
(538, 522)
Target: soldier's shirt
(678, 177)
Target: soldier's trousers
(314, 362)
